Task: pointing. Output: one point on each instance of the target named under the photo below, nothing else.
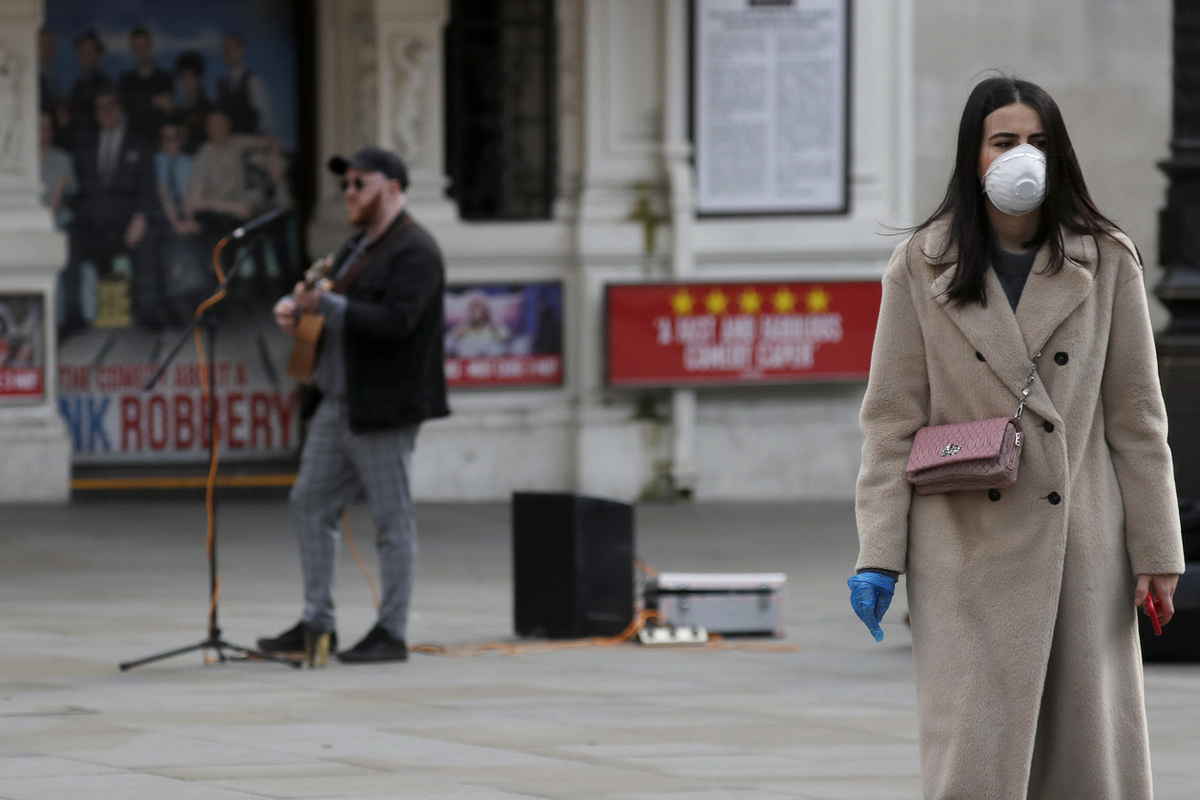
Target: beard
(367, 212)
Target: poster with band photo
(165, 126)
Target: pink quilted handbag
(983, 454)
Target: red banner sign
(739, 333)
(21, 383)
(544, 370)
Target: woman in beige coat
(1022, 600)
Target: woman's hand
(870, 597)
(1164, 594)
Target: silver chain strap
(1028, 383)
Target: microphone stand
(205, 317)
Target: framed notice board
(770, 110)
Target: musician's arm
(333, 307)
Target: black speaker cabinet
(572, 565)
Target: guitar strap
(351, 274)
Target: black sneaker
(377, 645)
(292, 642)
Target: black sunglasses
(357, 183)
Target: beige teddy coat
(1028, 665)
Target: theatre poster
(22, 349)
(207, 98)
(503, 335)
(714, 334)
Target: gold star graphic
(716, 302)
(750, 302)
(784, 301)
(818, 300)
(682, 303)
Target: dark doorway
(501, 145)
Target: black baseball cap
(372, 159)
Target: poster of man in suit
(166, 127)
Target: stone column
(35, 453)
(1179, 252)
(677, 155)
(409, 36)
(622, 446)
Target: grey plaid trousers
(338, 467)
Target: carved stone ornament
(366, 106)
(11, 119)
(410, 60)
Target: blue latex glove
(870, 596)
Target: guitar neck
(318, 271)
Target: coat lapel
(1049, 299)
(992, 330)
(1008, 341)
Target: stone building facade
(623, 161)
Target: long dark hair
(1068, 205)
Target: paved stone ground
(85, 587)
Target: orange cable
(646, 568)
(715, 640)
(361, 564)
(629, 635)
(514, 648)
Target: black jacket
(103, 210)
(394, 331)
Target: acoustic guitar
(303, 360)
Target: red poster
(740, 333)
(21, 383)
(22, 360)
(544, 370)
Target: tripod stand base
(211, 643)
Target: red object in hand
(1153, 612)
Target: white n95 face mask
(1016, 180)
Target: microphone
(254, 224)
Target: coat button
(1055, 498)
(979, 355)
(1048, 426)
(993, 495)
(1061, 358)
